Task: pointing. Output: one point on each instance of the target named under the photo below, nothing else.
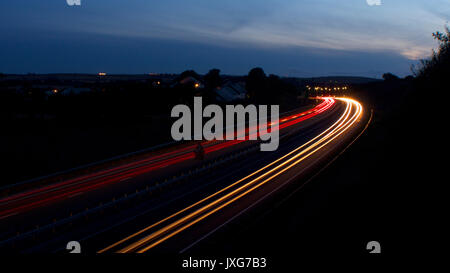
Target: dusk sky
(301, 38)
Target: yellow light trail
(215, 194)
(334, 131)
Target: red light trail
(25, 201)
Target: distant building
(231, 91)
(192, 81)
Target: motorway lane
(96, 240)
(80, 200)
(96, 233)
(185, 229)
(35, 198)
(255, 207)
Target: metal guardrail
(97, 163)
(127, 197)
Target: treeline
(45, 132)
(125, 99)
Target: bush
(435, 69)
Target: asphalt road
(173, 219)
(189, 226)
(42, 195)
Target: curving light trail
(164, 229)
(28, 200)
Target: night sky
(285, 37)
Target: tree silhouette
(390, 77)
(256, 84)
(213, 79)
(189, 73)
(435, 69)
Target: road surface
(200, 201)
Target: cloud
(90, 53)
(373, 2)
(326, 26)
